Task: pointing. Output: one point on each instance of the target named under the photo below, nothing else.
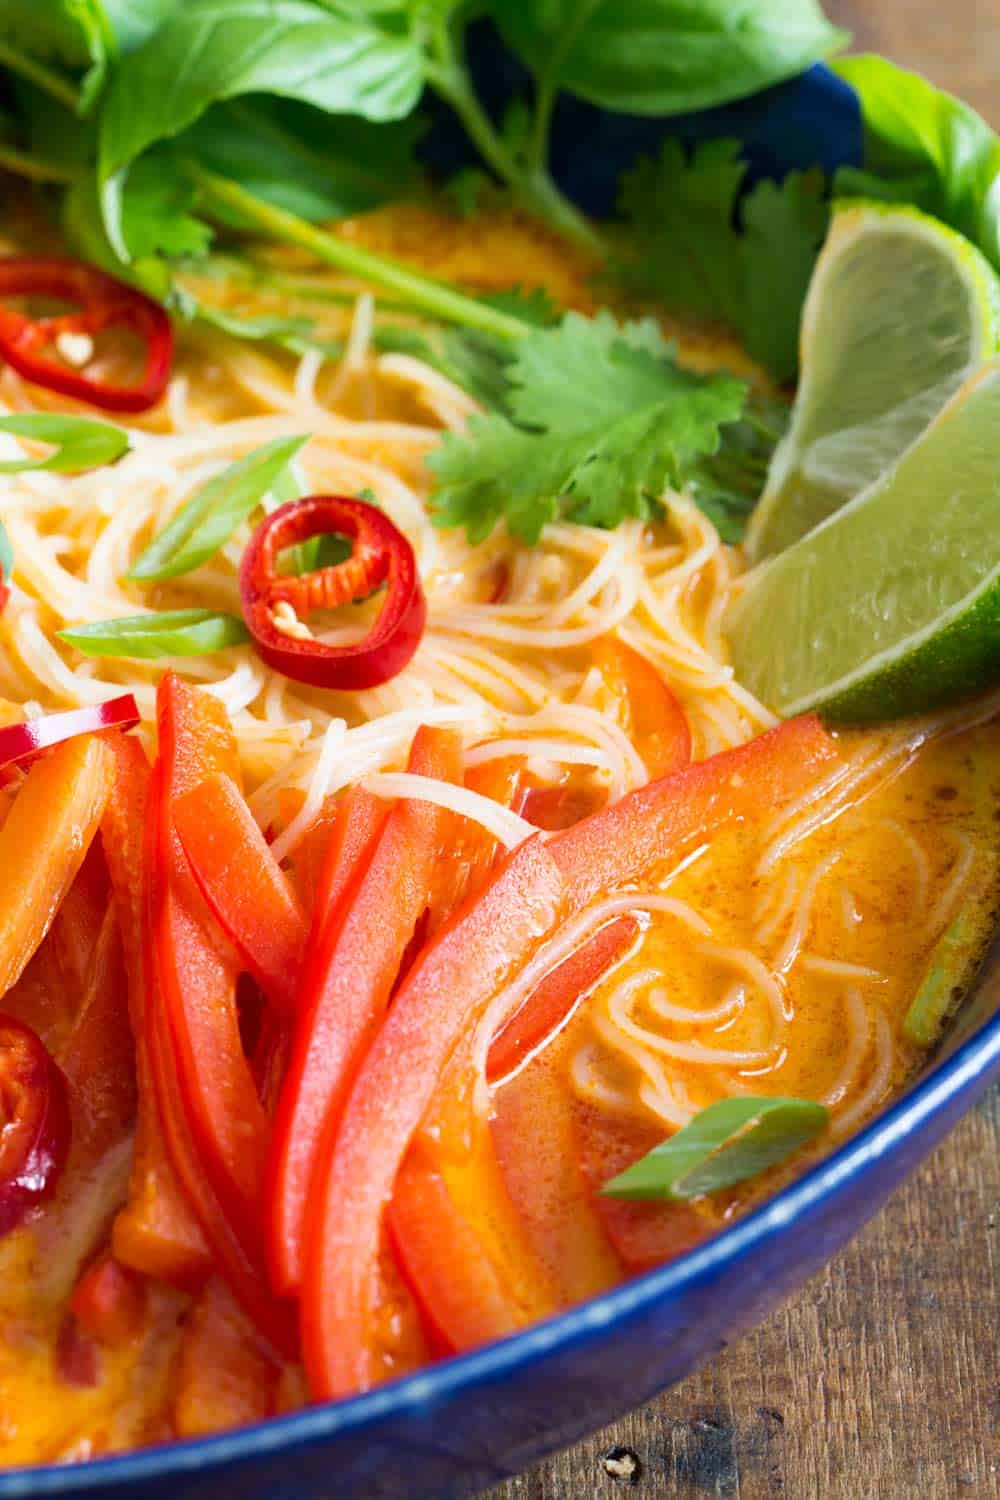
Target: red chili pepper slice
(20, 742)
(31, 344)
(380, 554)
(34, 1122)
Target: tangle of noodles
(776, 961)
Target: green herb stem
(33, 167)
(422, 293)
(303, 287)
(51, 82)
(532, 187)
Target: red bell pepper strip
(647, 709)
(109, 1302)
(487, 943)
(103, 303)
(194, 985)
(380, 555)
(34, 1142)
(223, 1218)
(243, 885)
(23, 741)
(483, 944)
(468, 1263)
(533, 1125)
(555, 999)
(156, 1231)
(225, 1379)
(43, 844)
(626, 840)
(347, 988)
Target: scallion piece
(209, 519)
(728, 1142)
(174, 632)
(78, 443)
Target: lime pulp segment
(900, 310)
(892, 605)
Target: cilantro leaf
(785, 226)
(608, 421)
(689, 250)
(727, 485)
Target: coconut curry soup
(448, 864)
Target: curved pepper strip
(243, 885)
(484, 946)
(156, 1231)
(347, 989)
(233, 1242)
(195, 981)
(646, 707)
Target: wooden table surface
(881, 1380)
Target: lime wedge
(892, 605)
(900, 310)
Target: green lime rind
(900, 310)
(891, 606)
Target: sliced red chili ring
(380, 554)
(31, 344)
(34, 1122)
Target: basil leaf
(665, 57)
(174, 632)
(923, 146)
(69, 33)
(133, 22)
(294, 156)
(342, 61)
(80, 442)
(209, 519)
(724, 1144)
(6, 558)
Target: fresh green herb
(309, 163)
(78, 443)
(727, 1143)
(727, 485)
(664, 57)
(601, 420)
(175, 632)
(38, 42)
(923, 146)
(209, 519)
(688, 250)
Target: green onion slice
(211, 516)
(78, 443)
(728, 1142)
(174, 632)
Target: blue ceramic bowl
(473, 1421)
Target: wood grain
(881, 1380)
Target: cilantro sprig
(600, 419)
(694, 246)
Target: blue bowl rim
(954, 1075)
